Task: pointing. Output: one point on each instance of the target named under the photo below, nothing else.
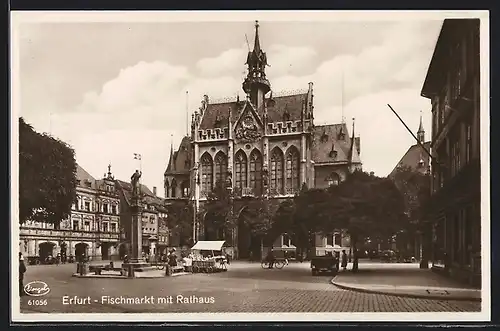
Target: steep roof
(412, 158)
(327, 136)
(180, 160)
(84, 177)
(292, 104)
(220, 111)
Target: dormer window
(421, 162)
(341, 135)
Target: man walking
(22, 270)
(344, 260)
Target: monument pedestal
(136, 265)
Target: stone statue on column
(134, 180)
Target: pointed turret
(353, 141)
(171, 163)
(421, 131)
(256, 84)
(256, 44)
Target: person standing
(270, 258)
(344, 260)
(22, 270)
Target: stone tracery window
(207, 170)
(292, 170)
(256, 172)
(277, 171)
(220, 168)
(240, 167)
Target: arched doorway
(244, 236)
(81, 249)
(46, 249)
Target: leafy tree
(218, 214)
(415, 189)
(47, 177)
(363, 204)
(367, 205)
(180, 223)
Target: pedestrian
(285, 255)
(22, 270)
(344, 260)
(337, 261)
(172, 259)
(250, 257)
(270, 258)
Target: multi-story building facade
(453, 87)
(92, 228)
(263, 144)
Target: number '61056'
(37, 302)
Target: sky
(114, 88)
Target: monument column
(136, 231)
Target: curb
(404, 295)
(125, 277)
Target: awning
(208, 245)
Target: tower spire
(171, 162)
(256, 84)
(353, 139)
(421, 131)
(256, 45)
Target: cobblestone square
(246, 287)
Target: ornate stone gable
(248, 127)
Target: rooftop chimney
(154, 190)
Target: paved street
(244, 288)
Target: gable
(248, 127)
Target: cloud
(143, 108)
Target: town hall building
(260, 145)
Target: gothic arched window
(240, 167)
(277, 171)
(255, 172)
(185, 189)
(174, 188)
(207, 172)
(220, 168)
(167, 189)
(292, 170)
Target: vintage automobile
(326, 263)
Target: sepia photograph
(250, 166)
